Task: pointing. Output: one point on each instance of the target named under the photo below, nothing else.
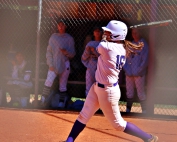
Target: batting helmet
(118, 30)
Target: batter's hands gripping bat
(152, 24)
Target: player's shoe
(45, 101)
(42, 102)
(153, 139)
(42, 99)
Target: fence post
(38, 52)
(151, 65)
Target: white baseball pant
(139, 83)
(107, 99)
(63, 78)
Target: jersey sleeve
(15, 72)
(144, 57)
(71, 49)
(86, 55)
(101, 48)
(49, 54)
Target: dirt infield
(17, 125)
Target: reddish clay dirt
(18, 125)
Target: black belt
(103, 86)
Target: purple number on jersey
(120, 61)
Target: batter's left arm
(101, 48)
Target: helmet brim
(106, 29)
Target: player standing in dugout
(59, 52)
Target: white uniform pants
(107, 99)
(139, 83)
(63, 78)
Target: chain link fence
(26, 27)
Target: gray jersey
(90, 59)
(55, 58)
(136, 64)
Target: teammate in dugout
(90, 57)
(135, 69)
(21, 81)
(105, 92)
(59, 52)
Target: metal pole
(151, 65)
(38, 51)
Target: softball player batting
(135, 69)
(105, 92)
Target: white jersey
(110, 62)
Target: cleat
(153, 139)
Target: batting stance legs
(106, 97)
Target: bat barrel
(152, 24)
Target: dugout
(19, 24)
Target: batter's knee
(120, 126)
(83, 119)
